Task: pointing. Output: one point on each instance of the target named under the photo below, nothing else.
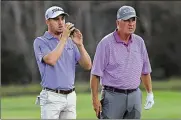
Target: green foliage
(22, 21)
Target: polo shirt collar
(48, 35)
(119, 40)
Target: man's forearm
(94, 85)
(85, 60)
(54, 55)
(146, 79)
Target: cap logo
(47, 16)
(56, 9)
(127, 11)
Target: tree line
(22, 21)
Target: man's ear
(46, 21)
(117, 22)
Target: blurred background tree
(23, 21)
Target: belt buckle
(63, 92)
(113, 89)
(59, 91)
(126, 91)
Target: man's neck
(124, 37)
(56, 35)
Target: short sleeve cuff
(93, 72)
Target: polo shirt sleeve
(100, 59)
(146, 62)
(40, 48)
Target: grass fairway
(167, 105)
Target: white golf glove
(149, 101)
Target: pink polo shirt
(118, 64)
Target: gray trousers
(121, 106)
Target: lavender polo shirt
(62, 74)
(119, 64)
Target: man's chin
(130, 32)
(59, 32)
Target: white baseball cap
(54, 11)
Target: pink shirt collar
(119, 40)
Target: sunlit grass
(167, 105)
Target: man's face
(56, 25)
(127, 26)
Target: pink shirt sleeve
(100, 59)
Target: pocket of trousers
(43, 97)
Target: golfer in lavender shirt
(121, 62)
(57, 52)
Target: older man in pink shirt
(121, 62)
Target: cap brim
(59, 13)
(128, 17)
